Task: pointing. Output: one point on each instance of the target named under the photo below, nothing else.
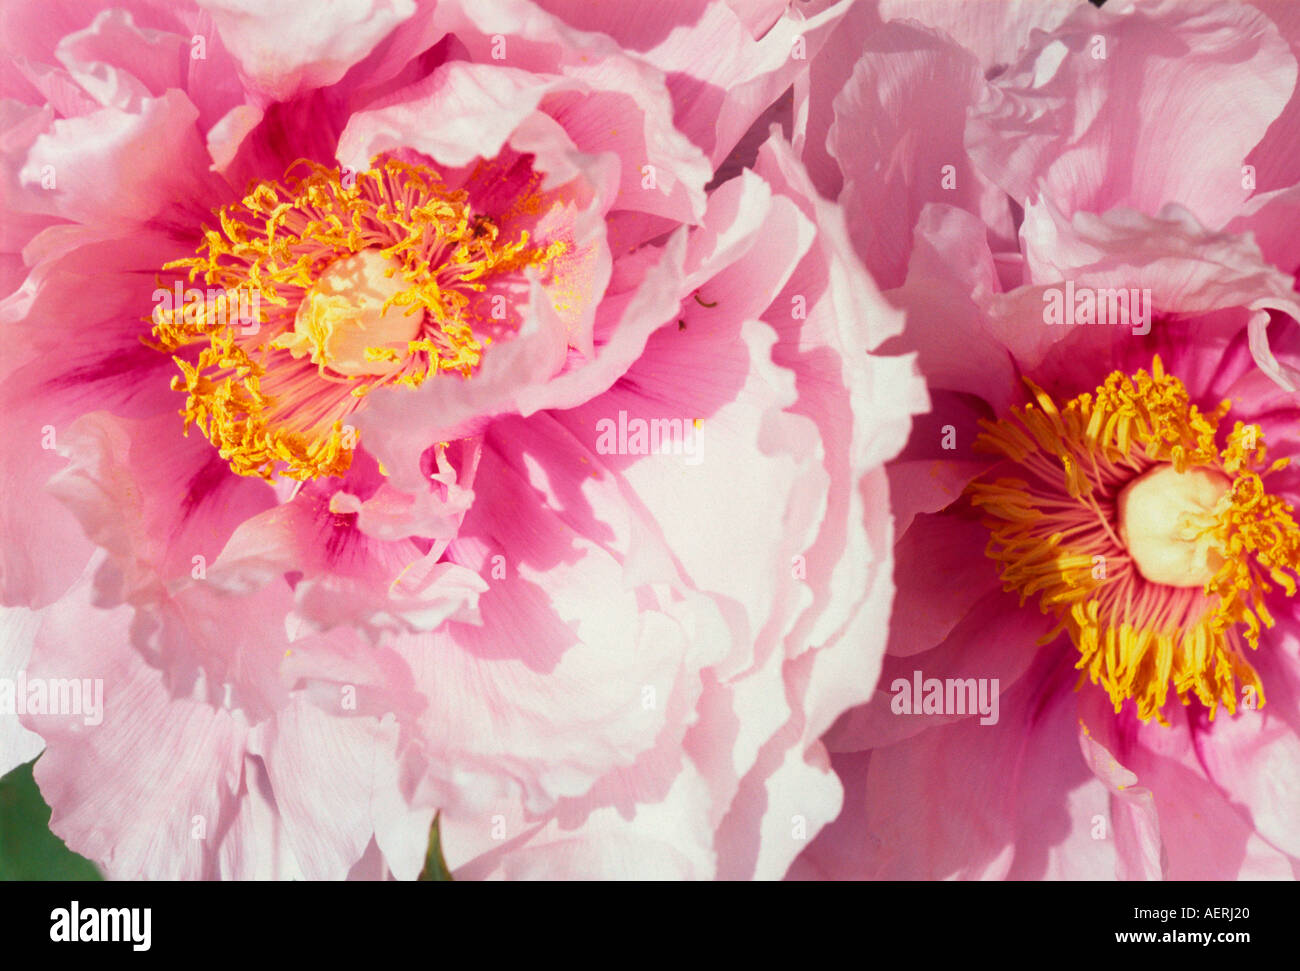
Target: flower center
(348, 312)
(1153, 546)
(1167, 520)
(386, 280)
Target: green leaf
(435, 867)
(28, 850)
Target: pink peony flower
(1093, 665)
(402, 419)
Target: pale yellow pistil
(1168, 520)
(347, 320)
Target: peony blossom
(1088, 218)
(421, 410)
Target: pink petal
(950, 280)
(1254, 757)
(163, 505)
(286, 49)
(715, 98)
(335, 781)
(1178, 81)
(897, 136)
(1200, 836)
(995, 639)
(123, 819)
(18, 626)
(994, 32)
(1189, 270)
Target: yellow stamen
(1226, 544)
(272, 396)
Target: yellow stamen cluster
(1054, 535)
(270, 414)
